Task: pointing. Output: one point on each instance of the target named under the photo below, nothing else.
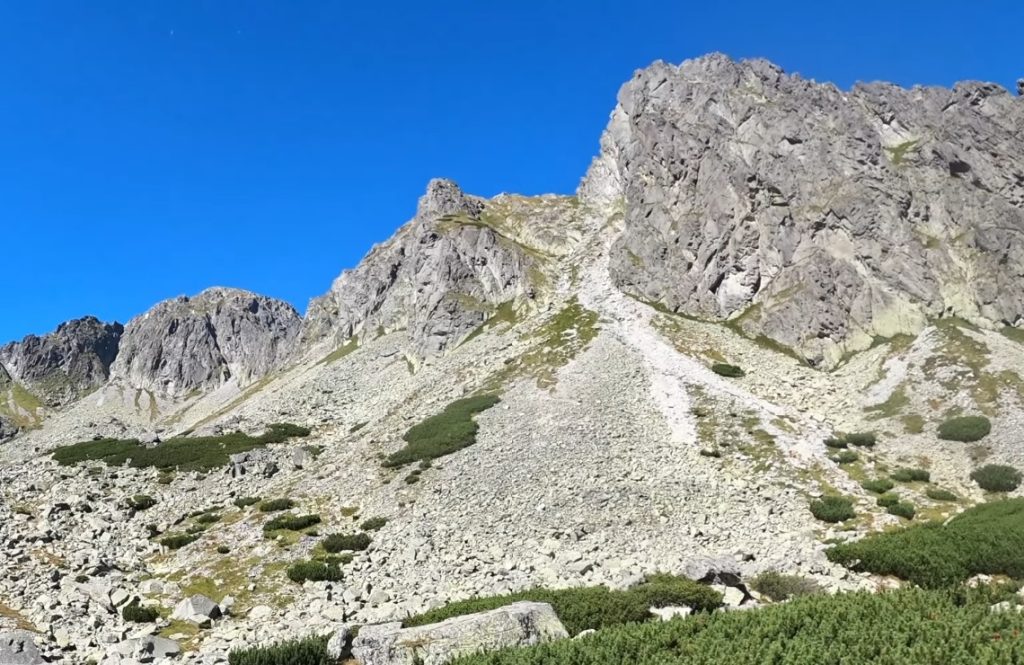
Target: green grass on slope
(986, 539)
(591, 607)
(449, 431)
(909, 627)
(186, 453)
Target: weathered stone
(148, 649)
(519, 624)
(18, 647)
(339, 647)
(197, 609)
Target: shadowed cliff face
(190, 344)
(62, 366)
(816, 217)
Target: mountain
(765, 290)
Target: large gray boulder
(148, 649)
(197, 609)
(516, 625)
(817, 217)
(199, 343)
(18, 647)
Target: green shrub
(340, 542)
(223, 549)
(965, 428)
(836, 443)
(887, 500)
(902, 509)
(832, 509)
(291, 523)
(246, 501)
(907, 627)
(878, 485)
(141, 502)
(911, 475)
(997, 478)
(779, 587)
(412, 478)
(937, 494)
(374, 524)
(208, 518)
(710, 452)
(862, 439)
(449, 431)
(176, 542)
(309, 651)
(314, 571)
(845, 457)
(276, 505)
(186, 453)
(591, 607)
(135, 613)
(986, 539)
(725, 369)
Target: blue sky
(150, 149)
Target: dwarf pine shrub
(291, 523)
(779, 587)
(833, 509)
(449, 431)
(911, 475)
(965, 428)
(878, 485)
(340, 542)
(276, 505)
(308, 651)
(314, 571)
(725, 369)
(135, 613)
(997, 478)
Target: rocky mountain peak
(61, 366)
(818, 218)
(198, 343)
(444, 197)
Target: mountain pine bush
(308, 651)
(986, 539)
(135, 613)
(725, 369)
(315, 571)
(911, 475)
(341, 542)
(276, 505)
(290, 523)
(779, 587)
(449, 431)
(833, 509)
(862, 439)
(141, 502)
(938, 494)
(591, 607)
(997, 478)
(878, 485)
(965, 428)
(906, 627)
(902, 509)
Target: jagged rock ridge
(816, 217)
(439, 277)
(199, 343)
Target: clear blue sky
(150, 149)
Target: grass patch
(591, 607)
(907, 627)
(965, 428)
(986, 539)
(184, 453)
(451, 430)
(913, 423)
(334, 356)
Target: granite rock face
(439, 277)
(816, 217)
(63, 365)
(199, 343)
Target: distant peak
(445, 197)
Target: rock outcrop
(817, 217)
(516, 625)
(439, 277)
(62, 366)
(199, 343)
(18, 647)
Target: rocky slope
(800, 215)
(818, 217)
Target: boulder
(198, 609)
(340, 645)
(147, 649)
(1020, 87)
(719, 570)
(18, 647)
(516, 625)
